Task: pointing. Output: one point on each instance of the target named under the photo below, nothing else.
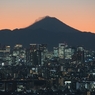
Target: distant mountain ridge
(48, 30)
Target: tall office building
(42, 51)
(68, 53)
(17, 46)
(4, 55)
(7, 48)
(36, 54)
(62, 47)
(33, 47)
(80, 54)
(18, 55)
(55, 51)
(31, 54)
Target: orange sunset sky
(79, 14)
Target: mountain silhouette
(48, 30)
(51, 24)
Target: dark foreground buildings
(37, 71)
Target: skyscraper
(62, 47)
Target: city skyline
(19, 14)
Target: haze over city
(79, 14)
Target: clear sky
(79, 14)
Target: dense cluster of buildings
(37, 54)
(70, 69)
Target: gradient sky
(79, 14)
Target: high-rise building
(31, 55)
(18, 55)
(62, 47)
(7, 48)
(17, 46)
(55, 51)
(36, 54)
(42, 51)
(68, 53)
(33, 47)
(80, 54)
(4, 55)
